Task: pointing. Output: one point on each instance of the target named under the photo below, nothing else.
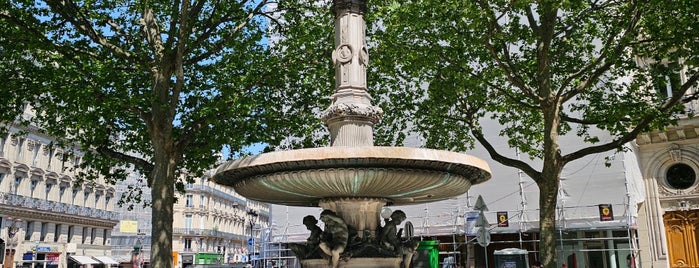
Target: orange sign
(605, 212)
(503, 219)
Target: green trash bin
(511, 258)
(427, 255)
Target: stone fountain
(352, 179)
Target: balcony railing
(217, 192)
(56, 207)
(207, 232)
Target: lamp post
(252, 215)
(135, 257)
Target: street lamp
(251, 243)
(136, 259)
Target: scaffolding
(582, 236)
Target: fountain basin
(398, 175)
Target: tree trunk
(163, 197)
(165, 161)
(548, 196)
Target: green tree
(542, 69)
(162, 87)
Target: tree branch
(617, 50)
(151, 31)
(567, 118)
(195, 127)
(69, 52)
(488, 82)
(532, 21)
(505, 64)
(175, 17)
(71, 12)
(142, 164)
(218, 46)
(616, 143)
(495, 155)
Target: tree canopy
(163, 87)
(541, 69)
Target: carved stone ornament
(340, 110)
(31, 144)
(353, 6)
(664, 191)
(343, 54)
(14, 141)
(364, 56)
(46, 150)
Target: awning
(106, 260)
(83, 259)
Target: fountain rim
(247, 167)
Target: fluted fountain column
(351, 116)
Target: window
(189, 202)
(98, 196)
(58, 232)
(20, 144)
(61, 191)
(93, 235)
(71, 232)
(84, 235)
(18, 181)
(52, 151)
(35, 152)
(28, 231)
(33, 184)
(667, 78)
(188, 222)
(75, 194)
(48, 190)
(2, 145)
(86, 195)
(44, 230)
(188, 244)
(680, 176)
(202, 201)
(104, 237)
(106, 201)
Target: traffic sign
(482, 221)
(251, 241)
(483, 237)
(480, 204)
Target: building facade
(212, 225)
(669, 226)
(46, 216)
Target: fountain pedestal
(359, 213)
(355, 263)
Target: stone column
(351, 117)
